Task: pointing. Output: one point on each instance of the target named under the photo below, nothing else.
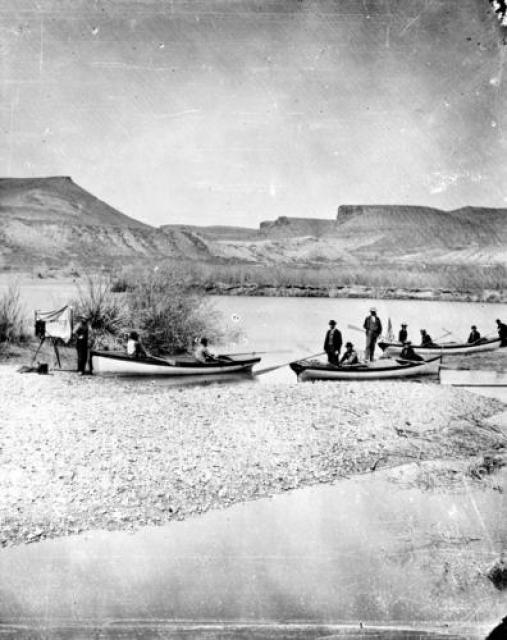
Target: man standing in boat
(403, 335)
(333, 343)
(373, 328)
(502, 333)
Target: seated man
(426, 340)
(350, 356)
(408, 353)
(474, 336)
(202, 353)
(134, 346)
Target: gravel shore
(91, 453)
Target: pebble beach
(81, 453)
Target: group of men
(333, 341)
(373, 328)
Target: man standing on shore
(373, 328)
(333, 343)
(81, 334)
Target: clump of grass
(12, 325)
(106, 311)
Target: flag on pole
(389, 337)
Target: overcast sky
(236, 111)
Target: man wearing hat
(474, 336)
(350, 356)
(373, 328)
(333, 343)
(408, 353)
(403, 335)
(81, 334)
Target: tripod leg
(42, 340)
(57, 354)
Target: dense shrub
(11, 316)
(155, 303)
(168, 317)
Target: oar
(355, 328)
(286, 364)
(444, 335)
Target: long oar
(286, 364)
(444, 335)
(355, 328)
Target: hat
(349, 344)
(373, 310)
(332, 322)
(473, 327)
(403, 324)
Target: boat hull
(119, 364)
(394, 349)
(377, 371)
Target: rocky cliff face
(54, 221)
(285, 227)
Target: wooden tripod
(52, 341)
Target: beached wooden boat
(121, 364)
(444, 349)
(379, 370)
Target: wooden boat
(443, 349)
(379, 370)
(121, 364)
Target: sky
(237, 111)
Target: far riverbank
(357, 291)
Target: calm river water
(362, 552)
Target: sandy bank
(87, 453)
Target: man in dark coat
(333, 343)
(373, 328)
(474, 336)
(502, 333)
(408, 353)
(426, 340)
(403, 335)
(81, 334)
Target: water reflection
(360, 550)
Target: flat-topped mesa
(285, 227)
(347, 211)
